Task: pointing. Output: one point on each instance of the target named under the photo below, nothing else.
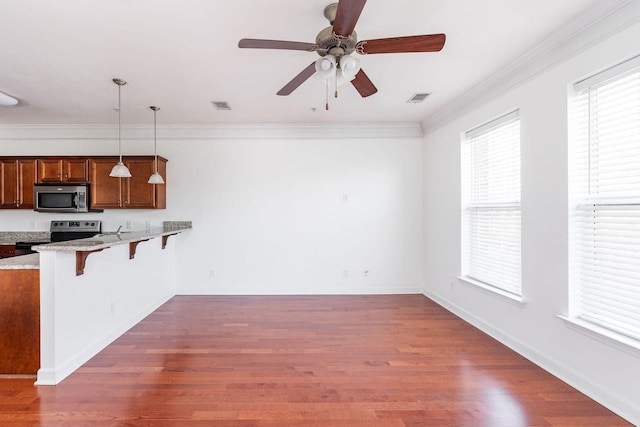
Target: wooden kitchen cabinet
(133, 193)
(17, 177)
(7, 251)
(62, 170)
(20, 322)
(106, 191)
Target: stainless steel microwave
(61, 198)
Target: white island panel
(82, 314)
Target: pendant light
(120, 170)
(155, 178)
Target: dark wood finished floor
(394, 360)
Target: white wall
(608, 372)
(277, 210)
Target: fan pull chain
(326, 96)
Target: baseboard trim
(56, 375)
(618, 404)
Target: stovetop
(62, 231)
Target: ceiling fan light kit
(335, 45)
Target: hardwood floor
(388, 360)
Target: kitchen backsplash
(175, 225)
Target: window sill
(514, 299)
(615, 339)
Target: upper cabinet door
(8, 184)
(138, 192)
(49, 170)
(16, 183)
(75, 170)
(106, 191)
(26, 178)
(62, 170)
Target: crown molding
(595, 25)
(213, 132)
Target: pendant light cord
(119, 129)
(155, 143)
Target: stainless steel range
(62, 231)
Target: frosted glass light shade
(349, 66)
(120, 171)
(325, 67)
(156, 178)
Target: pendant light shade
(120, 170)
(155, 178)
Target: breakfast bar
(93, 290)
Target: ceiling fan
(336, 43)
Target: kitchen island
(87, 302)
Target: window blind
(605, 189)
(491, 204)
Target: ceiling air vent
(221, 105)
(418, 97)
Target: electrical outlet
(129, 225)
(345, 273)
(212, 274)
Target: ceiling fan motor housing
(327, 40)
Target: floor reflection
(499, 407)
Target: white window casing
(605, 200)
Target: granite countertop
(11, 237)
(106, 240)
(100, 241)
(22, 262)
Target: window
(605, 200)
(491, 204)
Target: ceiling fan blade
(298, 80)
(276, 44)
(363, 85)
(347, 16)
(424, 43)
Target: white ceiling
(58, 57)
